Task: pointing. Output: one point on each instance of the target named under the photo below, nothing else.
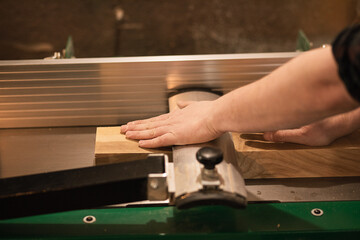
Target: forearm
(301, 91)
(343, 124)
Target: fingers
(269, 136)
(167, 139)
(123, 129)
(142, 124)
(291, 135)
(182, 104)
(146, 134)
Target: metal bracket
(161, 186)
(210, 179)
(157, 187)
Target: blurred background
(35, 29)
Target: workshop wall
(37, 28)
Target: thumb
(182, 104)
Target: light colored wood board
(261, 159)
(256, 157)
(101, 159)
(112, 146)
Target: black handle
(209, 157)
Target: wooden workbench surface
(256, 158)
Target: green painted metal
(302, 42)
(69, 49)
(257, 221)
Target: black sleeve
(346, 50)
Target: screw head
(317, 212)
(89, 219)
(154, 183)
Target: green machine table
(340, 220)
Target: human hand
(312, 135)
(191, 123)
(320, 133)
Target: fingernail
(123, 128)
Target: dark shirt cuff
(346, 50)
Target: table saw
(66, 171)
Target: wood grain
(256, 158)
(262, 159)
(112, 147)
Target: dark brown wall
(36, 28)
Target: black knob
(209, 157)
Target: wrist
(217, 116)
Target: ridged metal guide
(112, 91)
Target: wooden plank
(262, 159)
(112, 147)
(256, 158)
